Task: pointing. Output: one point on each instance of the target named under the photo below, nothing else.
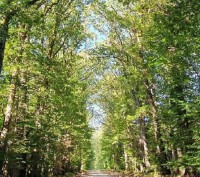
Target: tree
(153, 51)
(9, 10)
(45, 123)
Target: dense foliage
(44, 123)
(135, 62)
(150, 87)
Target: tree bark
(3, 37)
(143, 144)
(142, 137)
(6, 124)
(160, 149)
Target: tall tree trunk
(126, 157)
(127, 148)
(3, 37)
(142, 136)
(6, 124)
(143, 144)
(24, 114)
(160, 149)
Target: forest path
(99, 173)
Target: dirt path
(100, 174)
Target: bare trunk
(126, 158)
(143, 144)
(142, 137)
(160, 150)
(6, 124)
(3, 37)
(156, 125)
